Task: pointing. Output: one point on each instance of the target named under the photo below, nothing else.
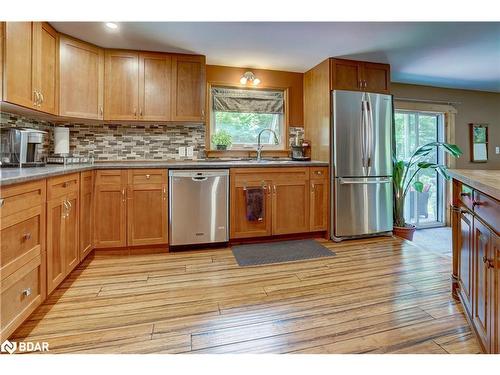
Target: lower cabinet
(86, 212)
(147, 207)
(63, 253)
(477, 255)
(295, 201)
(131, 208)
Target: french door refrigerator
(361, 164)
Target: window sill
(245, 153)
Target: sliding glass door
(412, 130)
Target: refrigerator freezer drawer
(362, 206)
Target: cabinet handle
(65, 213)
(164, 193)
(27, 236)
(2, 202)
(140, 111)
(35, 98)
(488, 262)
(135, 111)
(123, 195)
(102, 111)
(41, 98)
(69, 206)
(312, 187)
(274, 189)
(26, 292)
(202, 113)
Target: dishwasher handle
(199, 179)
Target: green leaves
(405, 172)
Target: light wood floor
(376, 296)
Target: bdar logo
(8, 347)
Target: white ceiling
(454, 54)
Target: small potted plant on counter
(222, 140)
(404, 174)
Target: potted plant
(222, 140)
(403, 177)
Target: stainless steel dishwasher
(198, 206)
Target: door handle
(354, 181)
(199, 179)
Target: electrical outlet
(189, 151)
(497, 150)
(182, 151)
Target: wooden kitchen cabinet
(188, 88)
(31, 64)
(155, 72)
(62, 228)
(465, 260)
(81, 79)
(319, 202)
(476, 260)
(147, 207)
(86, 212)
(110, 220)
(22, 253)
(359, 76)
(241, 227)
(286, 205)
(121, 72)
(290, 204)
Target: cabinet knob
(2, 202)
(148, 176)
(26, 292)
(27, 236)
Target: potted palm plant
(403, 176)
(222, 140)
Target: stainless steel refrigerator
(361, 164)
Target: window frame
(282, 148)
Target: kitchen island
(476, 251)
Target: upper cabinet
(31, 65)
(359, 76)
(154, 86)
(188, 88)
(121, 85)
(81, 79)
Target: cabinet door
(71, 245)
(290, 206)
(154, 86)
(465, 258)
(121, 74)
(56, 216)
(147, 214)
(86, 212)
(188, 88)
(81, 79)
(19, 87)
(495, 295)
(110, 220)
(319, 205)
(46, 53)
(376, 77)
(241, 227)
(482, 255)
(346, 75)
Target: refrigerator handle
(370, 145)
(364, 181)
(365, 135)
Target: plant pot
(404, 232)
(221, 147)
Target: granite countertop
(10, 176)
(486, 181)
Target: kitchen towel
(255, 203)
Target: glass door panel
(412, 130)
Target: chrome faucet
(259, 146)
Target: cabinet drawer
(487, 209)
(111, 177)
(62, 185)
(19, 243)
(21, 293)
(464, 194)
(147, 176)
(17, 198)
(318, 172)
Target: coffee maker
(21, 147)
(301, 148)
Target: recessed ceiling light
(111, 25)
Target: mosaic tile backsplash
(123, 141)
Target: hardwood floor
(376, 296)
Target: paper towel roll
(61, 141)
